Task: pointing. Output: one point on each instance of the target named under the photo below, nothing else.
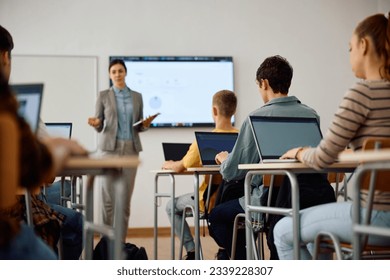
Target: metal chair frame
(259, 226)
(188, 212)
(361, 228)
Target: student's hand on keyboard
(293, 154)
(61, 149)
(221, 157)
(176, 166)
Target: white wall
(312, 35)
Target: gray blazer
(106, 111)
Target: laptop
(276, 135)
(29, 97)
(175, 151)
(59, 129)
(212, 143)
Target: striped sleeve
(346, 125)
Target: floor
(209, 247)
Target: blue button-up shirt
(124, 104)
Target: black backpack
(131, 251)
(230, 190)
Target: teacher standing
(117, 109)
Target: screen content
(180, 88)
(276, 136)
(29, 97)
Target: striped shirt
(363, 113)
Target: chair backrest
(382, 178)
(274, 180)
(9, 160)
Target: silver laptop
(212, 143)
(175, 151)
(29, 97)
(59, 129)
(276, 135)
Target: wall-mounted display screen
(179, 87)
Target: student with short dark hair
(273, 78)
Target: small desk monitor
(29, 97)
(175, 151)
(59, 129)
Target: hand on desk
(61, 149)
(176, 166)
(221, 157)
(295, 153)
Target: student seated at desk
(273, 78)
(72, 223)
(52, 192)
(17, 240)
(36, 162)
(223, 108)
(363, 113)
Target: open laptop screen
(62, 129)
(211, 143)
(30, 99)
(276, 135)
(175, 151)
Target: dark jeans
(72, 228)
(53, 192)
(71, 232)
(221, 221)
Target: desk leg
(248, 217)
(196, 216)
(172, 197)
(155, 230)
(293, 212)
(88, 233)
(173, 207)
(120, 186)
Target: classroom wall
(312, 35)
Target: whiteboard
(70, 89)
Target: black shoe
(190, 256)
(222, 255)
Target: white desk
(171, 174)
(366, 156)
(288, 169)
(199, 171)
(108, 166)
